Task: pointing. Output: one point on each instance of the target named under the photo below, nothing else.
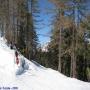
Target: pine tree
(19, 25)
(76, 37)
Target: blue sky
(44, 25)
(45, 30)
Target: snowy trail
(35, 78)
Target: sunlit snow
(36, 77)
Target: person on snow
(11, 45)
(17, 60)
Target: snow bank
(31, 75)
(22, 67)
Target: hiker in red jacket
(17, 60)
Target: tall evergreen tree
(19, 25)
(72, 49)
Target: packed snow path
(35, 78)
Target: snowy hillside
(35, 78)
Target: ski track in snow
(36, 77)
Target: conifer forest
(67, 50)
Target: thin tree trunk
(59, 64)
(61, 15)
(73, 54)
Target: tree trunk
(61, 15)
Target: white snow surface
(36, 77)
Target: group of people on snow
(17, 59)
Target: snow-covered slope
(36, 77)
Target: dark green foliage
(18, 18)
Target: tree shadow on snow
(38, 65)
